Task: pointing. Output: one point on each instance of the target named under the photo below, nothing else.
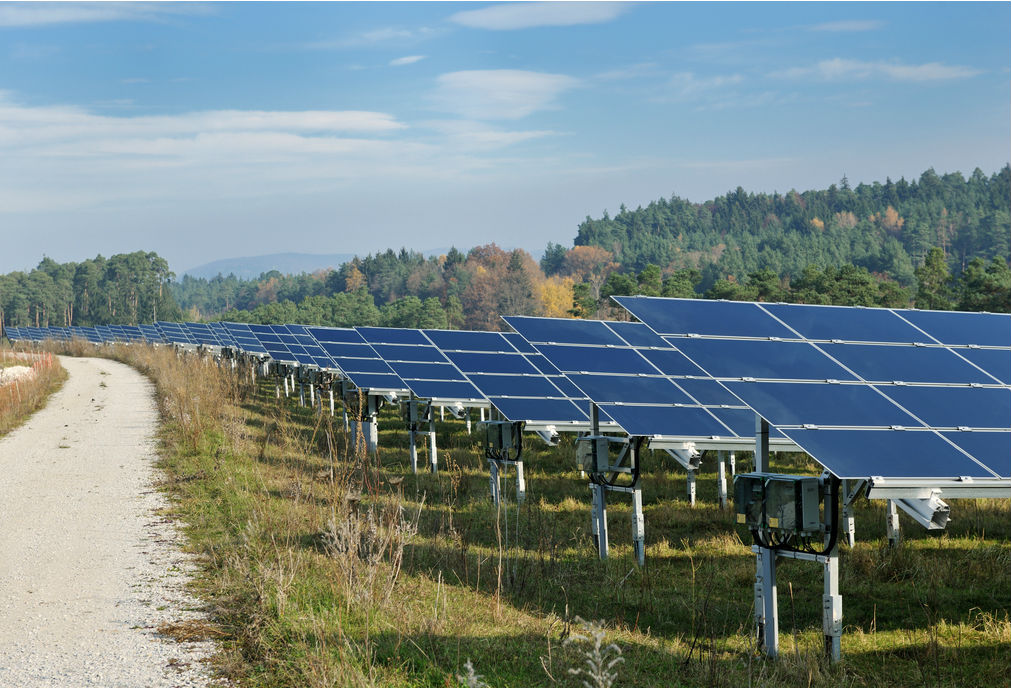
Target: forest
(936, 242)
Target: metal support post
(371, 426)
(331, 403)
(600, 519)
(277, 390)
(301, 393)
(892, 516)
(293, 382)
(848, 522)
(468, 421)
(433, 452)
(832, 605)
(691, 487)
(733, 464)
(285, 386)
(442, 413)
(721, 477)
(312, 395)
(766, 608)
(521, 483)
(413, 432)
(638, 527)
(496, 487)
(481, 414)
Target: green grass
(253, 486)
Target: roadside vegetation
(26, 381)
(323, 566)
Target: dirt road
(88, 569)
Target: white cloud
(525, 15)
(383, 35)
(688, 85)
(500, 93)
(848, 26)
(46, 13)
(479, 136)
(407, 60)
(839, 69)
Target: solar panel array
(647, 387)
(866, 392)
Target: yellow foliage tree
(354, 280)
(556, 296)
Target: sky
(208, 131)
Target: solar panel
(245, 339)
(502, 372)
(852, 404)
(174, 333)
(356, 360)
(276, 348)
(202, 334)
(422, 367)
(638, 386)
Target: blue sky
(205, 131)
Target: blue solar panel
(792, 403)
(905, 363)
(245, 338)
(622, 381)
(681, 421)
(707, 318)
(991, 448)
(509, 379)
(996, 362)
(887, 453)
(356, 360)
(954, 407)
(803, 411)
(761, 359)
(846, 323)
(557, 330)
(638, 334)
(948, 327)
(589, 359)
(421, 366)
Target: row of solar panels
(866, 392)
(192, 334)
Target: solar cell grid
(622, 380)
(901, 397)
(521, 392)
(356, 360)
(422, 367)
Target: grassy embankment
(23, 397)
(325, 568)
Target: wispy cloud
(44, 13)
(479, 136)
(407, 60)
(526, 15)
(398, 35)
(840, 69)
(853, 25)
(688, 85)
(635, 71)
(499, 93)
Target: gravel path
(88, 569)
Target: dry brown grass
(25, 396)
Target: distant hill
(286, 263)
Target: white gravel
(11, 374)
(88, 569)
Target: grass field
(324, 567)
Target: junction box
(787, 504)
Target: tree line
(937, 242)
(123, 289)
